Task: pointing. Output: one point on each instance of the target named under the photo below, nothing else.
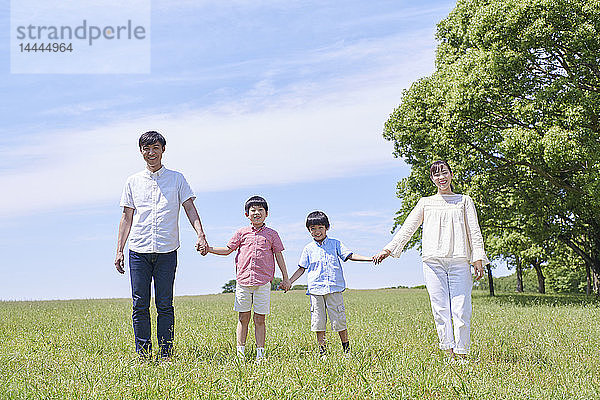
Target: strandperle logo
(80, 37)
(85, 31)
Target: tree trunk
(592, 260)
(537, 265)
(596, 283)
(519, 274)
(490, 279)
(588, 277)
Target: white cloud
(388, 54)
(330, 131)
(92, 106)
(164, 5)
(275, 133)
(366, 213)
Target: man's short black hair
(152, 137)
(256, 201)
(317, 218)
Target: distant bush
(275, 283)
(229, 287)
(508, 283)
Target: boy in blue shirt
(325, 279)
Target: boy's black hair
(256, 201)
(317, 218)
(152, 137)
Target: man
(150, 201)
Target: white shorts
(321, 305)
(246, 296)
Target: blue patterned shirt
(322, 262)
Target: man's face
(257, 215)
(318, 232)
(152, 154)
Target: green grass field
(524, 347)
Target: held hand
(120, 262)
(285, 285)
(479, 271)
(288, 285)
(202, 245)
(378, 258)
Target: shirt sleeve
(408, 228)
(343, 251)
(304, 261)
(474, 236)
(185, 191)
(235, 240)
(127, 196)
(277, 245)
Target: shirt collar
(257, 229)
(156, 174)
(323, 242)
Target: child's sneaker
(240, 353)
(260, 355)
(323, 353)
(346, 349)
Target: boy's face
(152, 154)
(318, 232)
(257, 215)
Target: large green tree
(566, 273)
(513, 105)
(229, 287)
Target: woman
(451, 240)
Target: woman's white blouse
(450, 229)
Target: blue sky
(286, 99)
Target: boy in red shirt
(257, 249)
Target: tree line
(229, 287)
(513, 105)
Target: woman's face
(442, 179)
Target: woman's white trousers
(449, 284)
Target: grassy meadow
(524, 347)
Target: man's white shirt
(155, 198)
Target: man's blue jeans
(143, 268)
